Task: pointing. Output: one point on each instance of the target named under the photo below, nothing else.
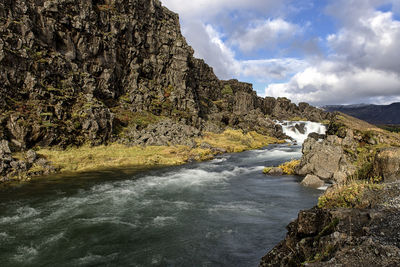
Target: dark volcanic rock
(343, 237)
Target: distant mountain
(376, 114)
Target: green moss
(48, 124)
(227, 90)
(289, 167)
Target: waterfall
(299, 130)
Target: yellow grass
(87, 158)
(347, 195)
(238, 141)
(289, 167)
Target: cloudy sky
(318, 51)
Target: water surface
(224, 212)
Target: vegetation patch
(227, 90)
(238, 141)
(289, 167)
(348, 195)
(86, 158)
(297, 118)
(266, 170)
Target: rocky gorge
(101, 72)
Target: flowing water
(224, 212)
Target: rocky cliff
(100, 71)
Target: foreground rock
(344, 237)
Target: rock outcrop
(351, 149)
(29, 164)
(326, 159)
(312, 181)
(344, 237)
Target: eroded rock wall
(71, 70)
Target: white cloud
(208, 45)
(269, 69)
(265, 34)
(373, 41)
(364, 65)
(202, 21)
(323, 86)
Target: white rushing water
(299, 130)
(223, 212)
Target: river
(223, 212)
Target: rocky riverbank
(356, 222)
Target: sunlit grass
(238, 141)
(289, 167)
(347, 195)
(87, 158)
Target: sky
(317, 51)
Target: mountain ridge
(376, 114)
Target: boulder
(312, 181)
(325, 159)
(387, 164)
(316, 136)
(276, 171)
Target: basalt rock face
(73, 72)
